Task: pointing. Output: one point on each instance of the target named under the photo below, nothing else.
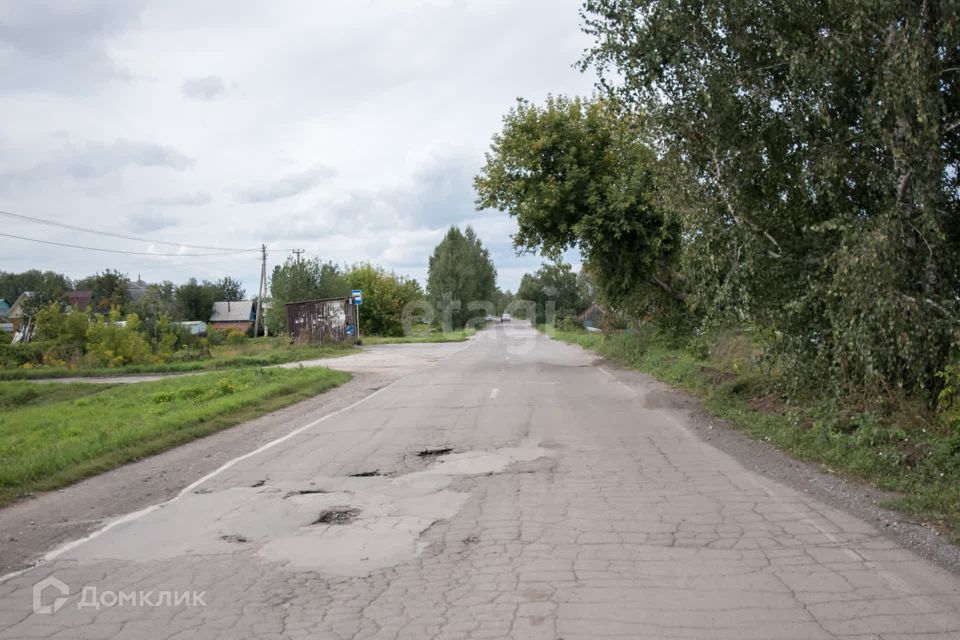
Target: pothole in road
(366, 474)
(234, 537)
(337, 515)
(304, 492)
(433, 453)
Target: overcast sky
(349, 129)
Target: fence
(327, 320)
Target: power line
(111, 234)
(134, 253)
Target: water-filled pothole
(337, 515)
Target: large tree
(195, 299)
(555, 290)
(228, 289)
(385, 295)
(815, 150)
(576, 174)
(461, 279)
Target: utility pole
(263, 290)
(298, 253)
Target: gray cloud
(195, 199)
(204, 88)
(402, 101)
(149, 222)
(61, 47)
(289, 185)
(92, 161)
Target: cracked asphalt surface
(571, 506)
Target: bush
(110, 345)
(235, 337)
(17, 355)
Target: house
(236, 315)
(136, 290)
(4, 308)
(16, 315)
(80, 300)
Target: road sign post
(357, 301)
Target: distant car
(488, 318)
(505, 317)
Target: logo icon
(43, 585)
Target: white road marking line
(606, 372)
(136, 515)
(494, 392)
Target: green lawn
(902, 447)
(261, 352)
(421, 335)
(52, 435)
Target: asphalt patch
(366, 474)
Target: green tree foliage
(813, 152)
(298, 279)
(385, 295)
(195, 299)
(555, 290)
(159, 299)
(228, 289)
(575, 173)
(47, 287)
(109, 290)
(112, 345)
(461, 280)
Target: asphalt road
(571, 505)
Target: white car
(505, 317)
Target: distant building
(15, 315)
(80, 300)
(237, 315)
(4, 308)
(136, 290)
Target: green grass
(52, 435)
(261, 352)
(898, 445)
(422, 335)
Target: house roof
(16, 309)
(79, 299)
(234, 311)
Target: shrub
(235, 337)
(110, 345)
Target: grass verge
(262, 352)
(902, 447)
(422, 336)
(53, 435)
